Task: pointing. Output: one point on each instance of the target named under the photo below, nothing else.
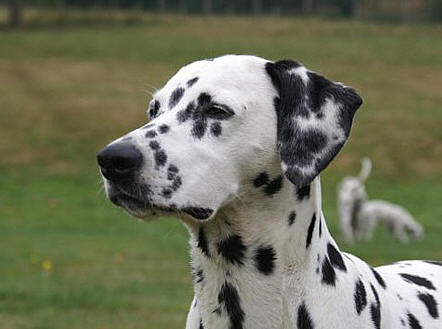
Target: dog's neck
(254, 251)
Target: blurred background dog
(359, 216)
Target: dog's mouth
(144, 208)
(139, 207)
(129, 202)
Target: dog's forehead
(226, 71)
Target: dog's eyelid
(217, 111)
(222, 107)
(218, 106)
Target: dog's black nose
(119, 161)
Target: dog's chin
(141, 209)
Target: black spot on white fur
(184, 115)
(151, 134)
(375, 309)
(232, 249)
(202, 242)
(271, 187)
(176, 182)
(310, 231)
(303, 193)
(360, 296)
(335, 258)
(173, 169)
(216, 129)
(413, 322)
(375, 293)
(229, 298)
(197, 275)
(166, 193)
(430, 303)
(292, 217)
(265, 259)
(154, 145)
(328, 272)
(379, 278)
(204, 99)
(433, 262)
(261, 179)
(163, 129)
(172, 172)
(199, 128)
(175, 97)
(304, 320)
(417, 280)
(160, 156)
(274, 186)
(191, 82)
(175, 179)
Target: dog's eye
(154, 107)
(220, 112)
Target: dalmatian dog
(234, 148)
(359, 216)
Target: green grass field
(68, 259)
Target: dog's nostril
(123, 165)
(118, 161)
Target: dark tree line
(343, 8)
(346, 7)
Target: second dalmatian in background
(358, 216)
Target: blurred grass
(70, 260)
(105, 270)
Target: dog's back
(398, 220)
(414, 287)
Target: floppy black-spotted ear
(314, 119)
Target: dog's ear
(314, 119)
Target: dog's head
(216, 124)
